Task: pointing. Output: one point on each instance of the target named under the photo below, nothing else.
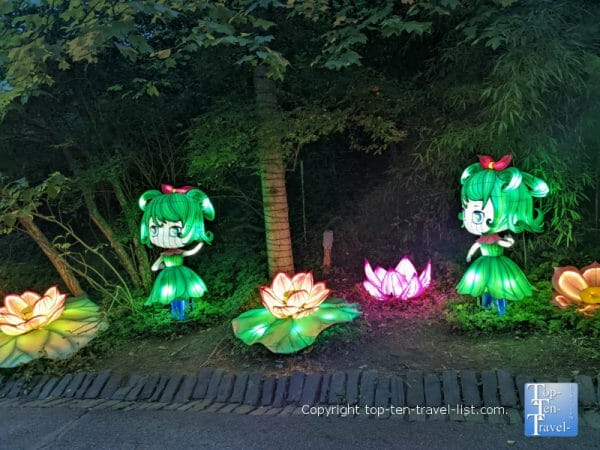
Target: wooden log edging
(252, 393)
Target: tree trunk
(110, 235)
(140, 251)
(57, 261)
(104, 226)
(272, 177)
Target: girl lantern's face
(166, 234)
(477, 218)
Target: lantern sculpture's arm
(473, 250)
(506, 241)
(193, 251)
(158, 264)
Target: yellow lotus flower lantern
(577, 287)
(295, 297)
(296, 311)
(49, 325)
(30, 311)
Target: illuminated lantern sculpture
(402, 282)
(296, 311)
(497, 198)
(34, 326)
(172, 219)
(576, 287)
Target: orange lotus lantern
(576, 287)
(34, 326)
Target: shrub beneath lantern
(296, 311)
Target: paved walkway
(493, 397)
(71, 428)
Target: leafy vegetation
(356, 116)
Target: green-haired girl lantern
(172, 219)
(497, 198)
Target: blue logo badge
(551, 409)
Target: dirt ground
(390, 337)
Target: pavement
(216, 409)
(69, 428)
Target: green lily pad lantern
(49, 325)
(296, 311)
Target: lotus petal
(588, 310)
(30, 298)
(374, 279)
(425, 276)
(281, 312)
(569, 282)
(406, 268)
(269, 299)
(374, 291)
(53, 292)
(591, 274)
(380, 273)
(8, 318)
(36, 322)
(14, 330)
(303, 281)
(15, 304)
(412, 289)
(298, 299)
(387, 284)
(318, 294)
(305, 312)
(561, 300)
(48, 306)
(282, 284)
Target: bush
(529, 315)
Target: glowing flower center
(288, 294)
(27, 312)
(30, 311)
(590, 295)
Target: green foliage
(233, 270)
(532, 103)
(531, 315)
(18, 199)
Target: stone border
(252, 393)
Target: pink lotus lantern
(401, 282)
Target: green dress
(175, 282)
(495, 274)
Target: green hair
(190, 208)
(511, 193)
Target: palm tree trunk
(57, 261)
(272, 177)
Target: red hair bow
(487, 162)
(169, 189)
